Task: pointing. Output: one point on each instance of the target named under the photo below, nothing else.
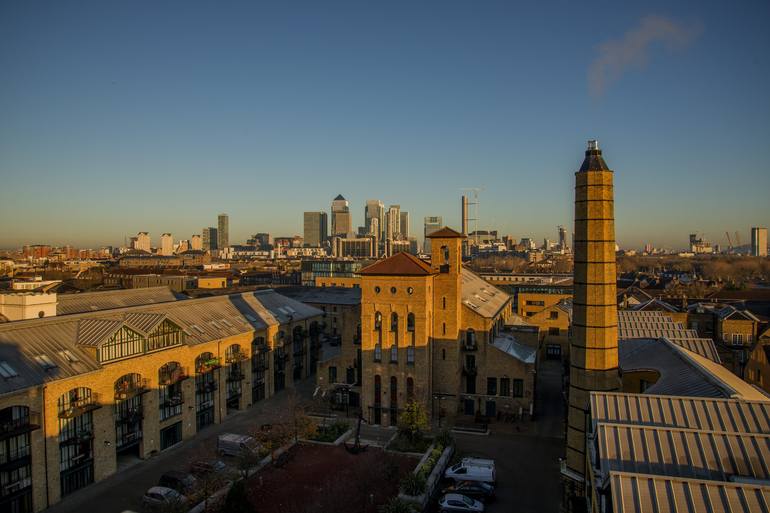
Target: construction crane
(737, 239)
(729, 242)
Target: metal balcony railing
(129, 389)
(235, 375)
(131, 417)
(208, 366)
(18, 426)
(237, 356)
(15, 455)
(78, 437)
(173, 401)
(80, 406)
(206, 387)
(171, 377)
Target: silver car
(454, 502)
(164, 499)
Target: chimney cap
(593, 144)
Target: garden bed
(324, 478)
(331, 434)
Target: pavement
(526, 453)
(123, 490)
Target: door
(491, 408)
(170, 436)
(469, 403)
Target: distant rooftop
(109, 299)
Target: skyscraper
(759, 241)
(342, 224)
(166, 244)
(594, 341)
(392, 222)
(196, 243)
(562, 238)
(315, 228)
(432, 224)
(404, 225)
(223, 231)
(210, 239)
(374, 211)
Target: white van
(464, 472)
(231, 444)
(479, 462)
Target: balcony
(19, 426)
(470, 370)
(237, 356)
(129, 389)
(78, 437)
(173, 401)
(15, 456)
(470, 346)
(206, 387)
(171, 377)
(259, 367)
(208, 366)
(131, 417)
(80, 406)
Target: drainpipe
(45, 449)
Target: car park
(465, 472)
(456, 503)
(478, 490)
(231, 444)
(160, 498)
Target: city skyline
(378, 102)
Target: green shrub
(396, 505)
(413, 484)
(445, 438)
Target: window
(393, 353)
(505, 387)
(394, 322)
(518, 388)
(553, 331)
(410, 322)
(443, 328)
(737, 339)
(491, 386)
(443, 303)
(410, 290)
(445, 252)
(69, 356)
(392, 290)
(377, 290)
(7, 371)
(470, 338)
(125, 342)
(553, 315)
(535, 303)
(332, 374)
(377, 352)
(45, 361)
(166, 335)
(443, 354)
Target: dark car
(483, 492)
(202, 468)
(182, 482)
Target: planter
(421, 501)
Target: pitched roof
(339, 197)
(481, 297)
(445, 233)
(108, 299)
(400, 264)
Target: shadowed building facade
(594, 343)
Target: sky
(120, 117)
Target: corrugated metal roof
(715, 414)
(108, 299)
(642, 493)
(481, 297)
(633, 324)
(143, 322)
(91, 332)
(201, 319)
(688, 453)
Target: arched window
(394, 322)
(378, 352)
(378, 326)
(206, 362)
(443, 354)
(377, 390)
(410, 389)
(129, 385)
(170, 398)
(470, 338)
(410, 322)
(393, 353)
(445, 252)
(233, 354)
(443, 328)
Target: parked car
(205, 467)
(479, 462)
(182, 482)
(162, 498)
(454, 503)
(478, 490)
(464, 472)
(231, 444)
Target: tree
(413, 421)
(237, 500)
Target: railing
(15, 454)
(21, 425)
(80, 406)
(237, 356)
(84, 435)
(262, 366)
(206, 387)
(15, 486)
(209, 365)
(128, 389)
(171, 377)
(173, 401)
(130, 418)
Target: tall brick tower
(594, 342)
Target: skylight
(45, 361)
(7, 371)
(69, 356)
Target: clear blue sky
(117, 117)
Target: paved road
(123, 490)
(526, 453)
